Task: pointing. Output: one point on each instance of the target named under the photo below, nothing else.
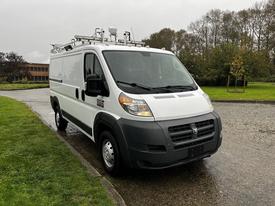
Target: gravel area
(242, 172)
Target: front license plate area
(195, 151)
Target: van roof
(106, 47)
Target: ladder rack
(97, 38)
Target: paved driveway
(242, 172)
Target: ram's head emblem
(195, 131)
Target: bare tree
(180, 39)
(214, 18)
(269, 25)
(258, 18)
(244, 28)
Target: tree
(257, 23)
(237, 70)
(165, 38)
(244, 29)
(201, 30)
(179, 41)
(214, 18)
(2, 64)
(2, 57)
(230, 33)
(211, 43)
(269, 25)
(11, 66)
(220, 59)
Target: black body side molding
(86, 128)
(77, 122)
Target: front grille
(205, 127)
(193, 133)
(156, 148)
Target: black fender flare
(107, 121)
(54, 102)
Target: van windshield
(147, 72)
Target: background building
(37, 72)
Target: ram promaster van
(140, 105)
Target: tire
(109, 153)
(60, 122)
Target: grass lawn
(38, 169)
(256, 91)
(17, 86)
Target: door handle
(76, 93)
(83, 95)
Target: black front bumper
(150, 144)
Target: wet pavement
(242, 172)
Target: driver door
(89, 104)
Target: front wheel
(110, 153)
(60, 122)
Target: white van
(139, 105)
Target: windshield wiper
(183, 87)
(168, 88)
(135, 85)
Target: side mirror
(94, 85)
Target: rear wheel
(60, 122)
(110, 153)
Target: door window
(92, 66)
(89, 64)
(97, 67)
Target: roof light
(113, 33)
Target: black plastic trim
(54, 102)
(83, 95)
(77, 93)
(77, 122)
(107, 121)
(139, 134)
(56, 80)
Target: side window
(97, 67)
(92, 65)
(89, 64)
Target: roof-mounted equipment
(97, 38)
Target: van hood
(178, 105)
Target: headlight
(208, 100)
(136, 107)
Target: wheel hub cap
(108, 154)
(57, 118)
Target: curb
(245, 101)
(119, 201)
(112, 192)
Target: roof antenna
(127, 37)
(133, 35)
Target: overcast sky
(28, 27)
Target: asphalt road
(242, 172)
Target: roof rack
(97, 38)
